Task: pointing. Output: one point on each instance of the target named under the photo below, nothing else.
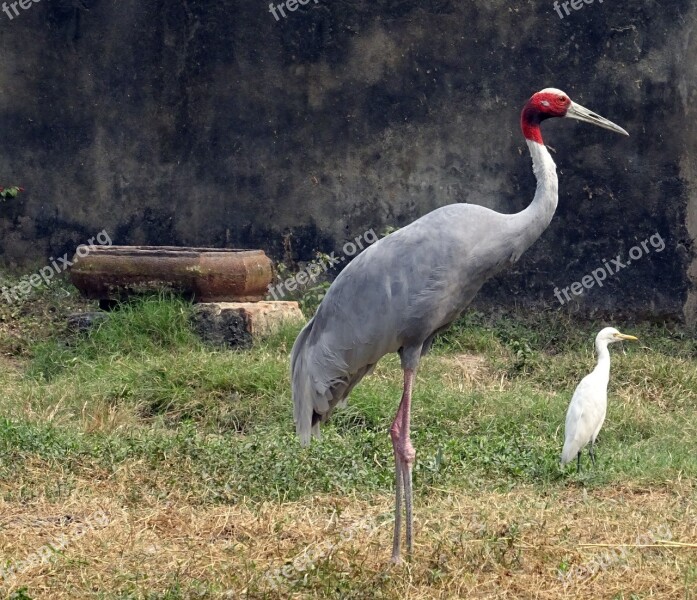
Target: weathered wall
(210, 123)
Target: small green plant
(312, 298)
(690, 582)
(524, 360)
(310, 283)
(387, 230)
(524, 357)
(10, 192)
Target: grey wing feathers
(303, 393)
(394, 295)
(320, 381)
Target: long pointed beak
(631, 338)
(580, 113)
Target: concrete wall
(212, 123)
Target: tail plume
(321, 379)
(568, 453)
(303, 392)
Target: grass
(190, 452)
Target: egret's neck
(603, 358)
(531, 222)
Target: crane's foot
(591, 451)
(578, 463)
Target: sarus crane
(400, 292)
(586, 413)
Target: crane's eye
(562, 98)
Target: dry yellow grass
(468, 371)
(490, 545)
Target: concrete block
(237, 324)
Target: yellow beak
(631, 338)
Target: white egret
(588, 406)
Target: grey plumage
(399, 292)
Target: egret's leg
(591, 451)
(404, 455)
(578, 462)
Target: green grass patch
(141, 387)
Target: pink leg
(404, 455)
